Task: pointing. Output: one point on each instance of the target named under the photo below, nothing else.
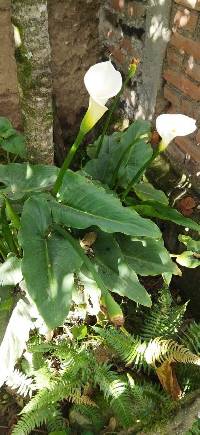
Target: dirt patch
(73, 30)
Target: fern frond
(93, 416)
(23, 384)
(116, 391)
(56, 392)
(129, 349)
(56, 422)
(150, 403)
(133, 351)
(160, 350)
(191, 337)
(164, 319)
(33, 420)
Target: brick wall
(182, 82)
(122, 34)
(165, 36)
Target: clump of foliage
(84, 239)
(84, 373)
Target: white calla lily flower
(102, 82)
(170, 126)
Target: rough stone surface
(34, 74)
(9, 96)
(73, 29)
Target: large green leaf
(6, 128)
(147, 192)
(147, 257)
(22, 179)
(87, 205)
(127, 152)
(14, 144)
(115, 271)
(164, 212)
(48, 264)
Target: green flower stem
(12, 215)
(136, 177)
(67, 162)
(7, 232)
(131, 73)
(114, 311)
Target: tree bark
(33, 62)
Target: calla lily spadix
(102, 82)
(170, 126)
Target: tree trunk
(34, 75)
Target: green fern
(116, 391)
(134, 351)
(164, 319)
(191, 337)
(149, 403)
(129, 349)
(34, 420)
(93, 417)
(24, 385)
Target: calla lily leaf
(164, 212)
(85, 204)
(48, 264)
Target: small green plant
(85, 375)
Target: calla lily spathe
(102, 82)
(170, 126)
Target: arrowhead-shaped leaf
(115, 272)
(146, 192)
(161, 211)
(88, 204)
(48, 264)
(147, 257)
(127, 151)
(22, 179)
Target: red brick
(192, 4)
(171, 95)
(181, 82)
(117, 54)
(126, 45)
(186, 20)
(198, 137)
(193, 69)
(188, 107)
(186, 45)
(174, 58)
(188, 147)
(118, 5)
